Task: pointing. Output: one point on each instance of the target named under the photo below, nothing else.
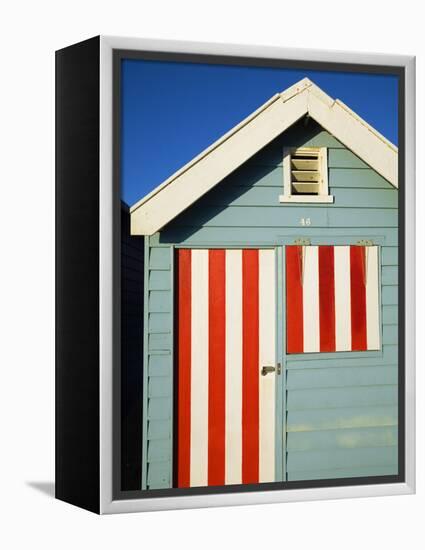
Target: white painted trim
(307, 198)
(323, 196)
(342, 298)
(267, 356)
(311, 313)
(199, 371)
(373, 324)
(216, 162)
(358, 136)
(233, 384)
(182, 190)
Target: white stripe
(199, 370)
(233, 460)
(267, 356)
(311, 299)
(342, 298)
(372, 297)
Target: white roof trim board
(280, 112)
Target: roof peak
(235, 147)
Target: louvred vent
(305, 171)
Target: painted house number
(305, 221)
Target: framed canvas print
(235, 284)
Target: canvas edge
(107, 504)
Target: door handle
(269, 368)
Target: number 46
(305, 221)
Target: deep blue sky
(171, 111)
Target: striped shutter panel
(332, 298)
(226, 315)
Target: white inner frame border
(107, 504)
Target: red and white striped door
(332, 298)
(226, 319)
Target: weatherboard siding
(158, 413)
(340, 409)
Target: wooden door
(225, 335)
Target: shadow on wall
(132, 261)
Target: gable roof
(235, 147)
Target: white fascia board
(357, 135)
(284, 96)
(212, 166)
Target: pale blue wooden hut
(270, 302)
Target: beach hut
(270, 302)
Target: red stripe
(294, 300)
(358, 298)
(250, 367)
(184, 281)
(216, 368)
(327, 298)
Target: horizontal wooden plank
(389, 275)
(357, 178)
(342, 439)
(390, 334)
(255, 216)
(158, 474)
(159, 450)
(368, 217)
(343, 158)
(340, 377)
(158, 341)
(341, 458)
(329, 419)
(159, 429)
(324, 139)
(331, 398)
(296, 137)
(337, 473)
(305, 163)
(159, 258)
(160, 386)
(160, 301)
(160, 365)
(280, 216)
(269, 196)
(160, 322)
(264, 236)
(159, 408)
(341, 359)
(392, 352)
(305, 176)
(390, 315)
(258, 176)
(390, 295)
(389, 255)
(271, 155)
(305, 187)
(159, 280)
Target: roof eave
(275, 116)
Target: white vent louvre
(305, 171)
(305, 175)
